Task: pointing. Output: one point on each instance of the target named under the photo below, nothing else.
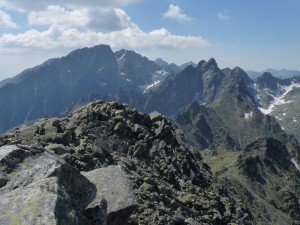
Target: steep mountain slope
(139, 71)
(232, 117)
(57, 85)
(199, 84)
(265, 177)
(237, 109)
(279, 98)
(171, 183)
(204, 128)
(165, 65)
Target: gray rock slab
(113, 184)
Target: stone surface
(113, 184)
(41, 188)
(58, 149)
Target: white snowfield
(157, 78)
(278, 96)
(295, 164)
(248, 115)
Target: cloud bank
(58, 36)
(58, 26)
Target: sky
(254, 35)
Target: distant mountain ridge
(173, 66)
(283, 73)
(242, 127)
(58, 85)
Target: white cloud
(29, 5)
(109, 19)
(5, 20)
(175, 12)
(58, 36)
(99, 18)
(224, 15)
(59, 15)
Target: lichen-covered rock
(58, 149)
(113, 184)
(41, 188)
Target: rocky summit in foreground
(171, 184)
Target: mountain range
(283, 73)
(246, 130)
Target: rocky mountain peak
(239, 72)
(211, 63)
(161, 62)
(138, 72)
(201, 63)
(267, 80)
(103, 49)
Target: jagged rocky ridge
(171, 183)
(61, 84)
(265, 177)
(231, 119)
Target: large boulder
(113, 184)
(39, 188)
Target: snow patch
(151, 86)
(35, 91)
(28, 113)
(294, 120)
(289, 88)
(121, 56)
(157, 77)
(295, 164)
(282, 128)
(247, 115)
(253, 89)
(99, 70)
(278, 97)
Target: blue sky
(254, 35)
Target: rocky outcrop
(171, 183)
(40, 188)
(37, 187)
(113, 185)
(266, 180)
